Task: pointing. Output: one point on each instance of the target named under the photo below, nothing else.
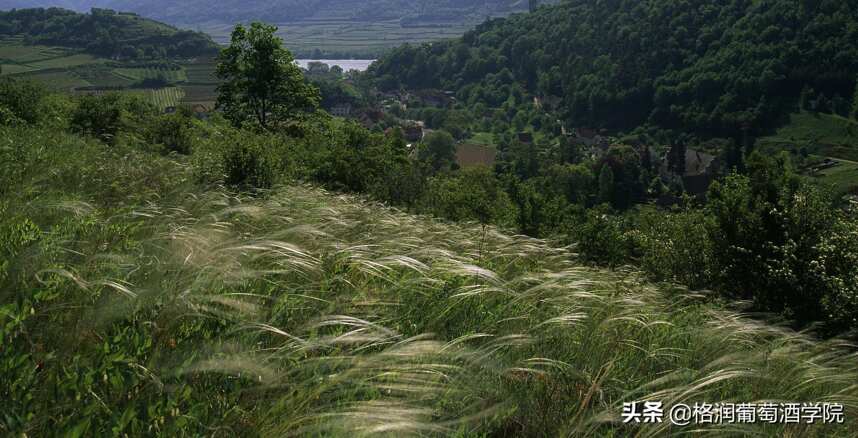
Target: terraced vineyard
(100, 77)
(201, 72)
(173, 74)
(161, 98)
(165, 97)
(18, 58)
(68, 70)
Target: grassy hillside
(136, 301)
(828, 135)
(821, 136)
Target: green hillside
(147, 58)
(163, 83)
(707, 68)
(104, 33)
(828, 135)
(137, 302)
(107, 51)
(814, 137)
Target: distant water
(345, 64)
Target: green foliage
(705, 67)
(134, 301)
(675, 246)
(261, 83)
(622, 183)
(473, 194)
(106, 116)
(575, 182)
(174, 132)
(8, 118)
(20, 101)
(601, 237)
(438, 150)
(104, 32)
(773, 241)
(248, 164)
(606, 184)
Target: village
(694, 173)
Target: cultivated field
(71, 71)
(471, 154)
(349, 37)
(137, 74)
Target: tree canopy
(709, 66)
(261, 82)
(105, 32)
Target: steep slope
(711, 67)
(133, 301)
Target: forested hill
(229, 11)
(706, 66)
(104, 32)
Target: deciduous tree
(261, 82)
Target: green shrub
(105, 116)
(8, 118)
(248, 163)
(675, 246)
(601, 237)
(20, 101)
(173, 133)
(472, 194)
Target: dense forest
(105, 32)
(710, 68)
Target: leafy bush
(173, 133)
(8, 118)
(601, 237)
(473, 194)
(105, 116)
(248, 162)
(20, 101)
(438, 150)
(675, 246)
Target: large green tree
(261, 82)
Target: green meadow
(821, 136)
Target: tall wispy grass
(301, 312)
